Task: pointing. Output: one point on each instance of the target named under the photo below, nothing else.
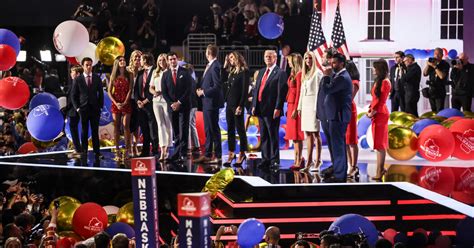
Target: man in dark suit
(144, 99)
(397, 95)
(411, 84)
(337, 114)
(88, 100)
(212, 100)
(267, 104)
(176, 86)
(72, 113)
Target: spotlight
(45, 55)
(21, 56)
(59, 58)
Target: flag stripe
(338, 37)
(316, 40)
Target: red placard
(143, 166)
(194, 204)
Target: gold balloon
(428, 115)
(402, 173)
(360, 115)
(108, 49)
(253, 121)
(218, 182)
(402, 143)
(405, 120)
(439, 119)
(396, 114)
(112, 218)
(70, 235)
(392, 126)
(125, 214)
(102, 143)
(47, 144)
(448, 123)
(67, 207)
(468, 114)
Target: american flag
(338, 37)
(317, 41)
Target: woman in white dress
(310, 78)
(160, 107)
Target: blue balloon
(450, 112)
(408, 51)
(106, 111)
(363, 142)
(363, 125)
(421, 124)
(354, 223)
(222, 119)
(324, 139)
(464, 237)
(44, 98)
(250, 232)
(45, 122)
(283, 120)
(120, 227)
(252, 130)
(270, 26)
(252, 140)
(7, 37)
(452, 54)
(225, 146)
(431, 53)
(67, 129)
(281, 133)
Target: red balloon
(26, 148)
(389, 234)
(7, 57)
(463, 133)
(14, 93)
(463, 197)
(438, 179)
(72, 60)
(464, 180)
(90, 218)
(435, 143)
(64, 243)
(200, 127)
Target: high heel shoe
(229, 160)
(382, 174)
(239, 164)
(353, 172)
(297, 167)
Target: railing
(254, 55)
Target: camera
(431, 59)
(455, 62)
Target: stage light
(21, 56)
(59, 58)
(45, 55)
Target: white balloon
(70, 38)
(370, 137)
(62, 102)
(107, 132)
(89, 51)
(109, 209)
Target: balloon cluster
(434, 136)
(9, 49)
(426, 53)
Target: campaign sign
(145, 202)
(194, 224)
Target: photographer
(437, 70)
(411, 84)
(397, 94)
(462, 76)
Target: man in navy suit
(267, 104)
(144, 99)
(212, 100)
(335, 113)
(176, 87)
(88, 99)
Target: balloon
(363, 125)
(464, 180)
(435, 143)
(428, 115)
(106, 111)
(252, 130)
(370, 137)
(253, 120)
(67, 207)
(354, 223)
(283, 120)
(125, 214)
(44, 98)
(463, 133)
(402, 143)
(7, 57)
(64, 243)
(361, 114)
(392, 126)
(120, 227)
(7, 37)
(438, 118)
(107, 132)
(108, 49)
(200, 127)
(389, 234)
(452, 54)
(250, 232)
(90, 218)
(67, 129)
(14, 93)
(45, 122)
(89, 52)
(109, 209)
(406, 120)
(396, 114)
(363, 142)
(222, 119)
(422, 124)
(70, 38)
(438, 179)
(324, 139)
(468, 114)
(271, 26)
(72, 236)
(402, 173)
(450, 121)
(45, 144)
(72, 60)
(252, 142)
(450, 112)
(218, 182)
(62, 102)
(26, 148)
(464, 237)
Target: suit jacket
(274, 92)
(338, 97)
(411, 81)
(70, 110)
(396, 86)
(181, 91)
(237, 92)
(85, 97)
(212, 87)
(138, 87)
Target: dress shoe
(328, 172)
(275, 166)
(202, 159)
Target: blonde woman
(133, 67)
(160, 107)
(310, 78)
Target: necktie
(145, 77)
(174, 77)
(89, 81)
(205, 70)
(262, 85)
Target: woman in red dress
(378, 111)
(293, 120)
(120, 90)
(351, 133)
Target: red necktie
(89, 81)
(145, 77)
(262, 85)
(174, 77)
